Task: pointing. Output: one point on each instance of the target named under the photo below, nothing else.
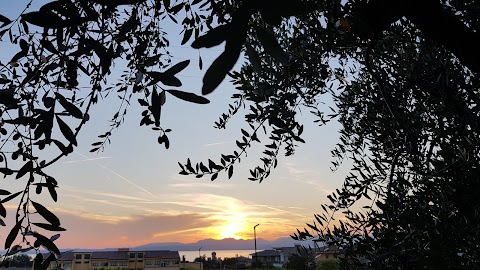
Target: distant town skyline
(131, 194)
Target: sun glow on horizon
(231, 230)
(232, 223)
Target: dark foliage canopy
(403, 76)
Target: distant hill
(225, 244)
(207, 244)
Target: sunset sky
(132, 194)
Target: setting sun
(231, 230)
(232, 223)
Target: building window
(86, 256)
(86, 262)
(78, 256)
(113, 263)
(158, 263)
(139, 260)
(140, 255)
(148, 263)
(122, 263)
(94, 264)
(132, 255)
(104, 264)
(77, 262)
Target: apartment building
(121, 259)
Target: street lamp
(255, 239)
(200, 258)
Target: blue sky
(131, 193)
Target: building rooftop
(330, 250)
(166, 254)
(110, 255)
(265, 253)
(121, 254)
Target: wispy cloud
(118, 231)
(185, 217)
(297, 208)
(200, 185)
(306, 176)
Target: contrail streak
(281, 210)
(121, 177)
(83, 160)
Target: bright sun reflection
(231, 230)
(232, 223)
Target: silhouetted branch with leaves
(421, 165)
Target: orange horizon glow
(219, 218)
(190, 236)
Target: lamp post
(200, 258)
(255, 239)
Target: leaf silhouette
(66, 131)
(49, 227)
(165, 78)
(25, 169)
(18, 56)
(186, 36)
(230, 172)
(254, 58)
(176, 68)
(46, 214)
(55, 237)
(213, 37)
(24, 45)
(13, 234)
(6, 171)
(13, 196)
(156, 107)
(46, 263)
(217, 72)
(65, 150)
(3, 211)
(46, 19)
(4, 20)
(70, 107)
(47, 243)
(233, 46)
(271, 46)
(53, 193)
(190, 97)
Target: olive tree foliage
(407, 98)
(402, 74)
(327, 264)
(59, 62)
